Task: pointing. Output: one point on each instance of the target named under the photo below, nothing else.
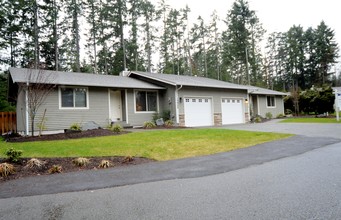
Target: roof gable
(195, 81)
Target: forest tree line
(140, 35)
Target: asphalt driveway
(310, 137)
(326, 130)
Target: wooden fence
(8, 122)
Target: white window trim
(157, 101)
(73, 108)
(267, 101)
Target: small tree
(39, 84)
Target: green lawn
(159, 145)
(311, 120)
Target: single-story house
(134, 97)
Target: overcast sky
(275, 15)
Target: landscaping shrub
(35, 163)
(280, 115)
(128, 159)
(169, 123)
(75, 127)
(13, 155)
(6, 169)
(80, 161)
(149, 124)
(165, 115)
(117, 128)
(268, 115)
(55, 169)
(104, 164)
(258, 119)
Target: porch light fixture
(180, 100)
(246, 101)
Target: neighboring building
(134, 97)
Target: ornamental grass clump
(116, 128)
(104, 164)
(81, 161)
(55, 169)
(149, 124)
(35, 163)
(127, 159)
(6, 169)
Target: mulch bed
(22, 171)
(63, 136)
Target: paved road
(306, 186)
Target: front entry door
(116, 105)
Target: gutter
(176, 103)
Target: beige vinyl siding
(215, 94)
(263, 108)
(59, 119)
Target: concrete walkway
(183, 168)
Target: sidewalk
(158, 171)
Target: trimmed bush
(13, 155)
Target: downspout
(26, 103)
(176, 103)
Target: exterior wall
(21, 111)
(263, 109)
(59, 119)
(138, 118)
(216, 95)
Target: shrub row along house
(134, 97)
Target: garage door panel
(232, 111)
(198, 112)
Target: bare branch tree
(39, 85)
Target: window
(73, 97)
(146, 101)
(270, 101)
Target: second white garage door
(198, 112)
(232, 111)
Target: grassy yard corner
(159, 145)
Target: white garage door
(232, 111)
(198, 112)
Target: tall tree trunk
(122, 34)
(55, 33)
(36, 34)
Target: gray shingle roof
(20, 75)
(204, 82)
(195, 81)
(262, 91)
